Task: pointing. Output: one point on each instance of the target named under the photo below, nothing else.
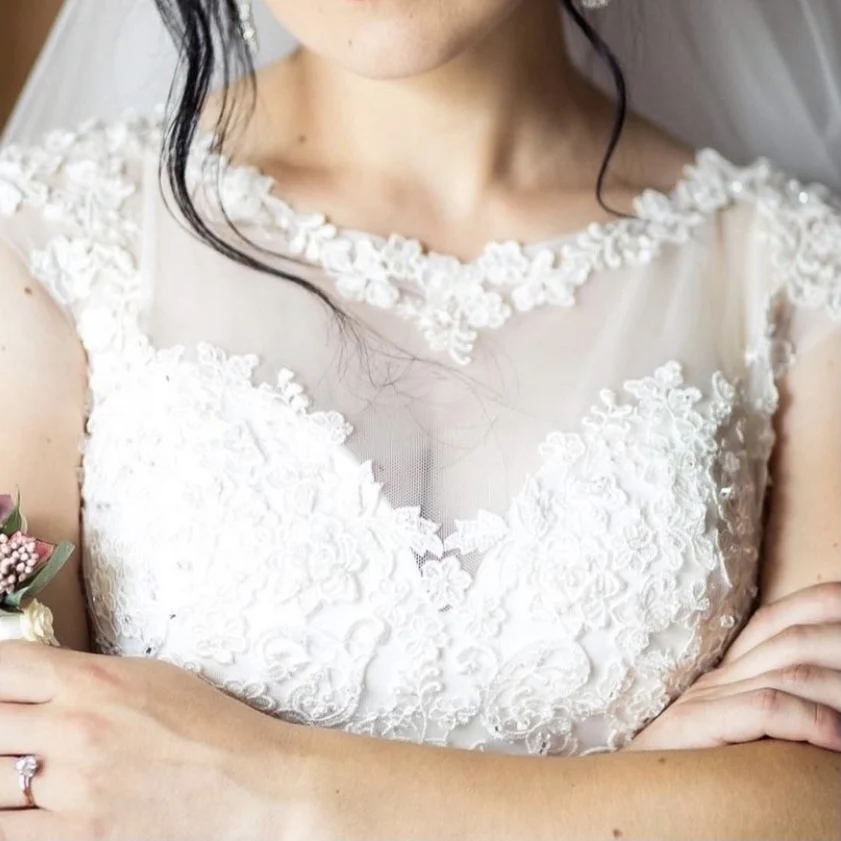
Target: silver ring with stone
(27, 767)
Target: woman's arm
(213, 768)
(41, 425)
(767, 789)
(137, 748)
(220, 766)
(803, 537)
(366, 789)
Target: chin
(391, 39)
(393, 52)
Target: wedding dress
(514, 504)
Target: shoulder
(791, 229)
(73, 198)
(97, 153)
(80, 177)
(802, 227)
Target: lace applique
(451, 301)
(804, 231)
(79, 181)
(802, 227)
(446, 581)
(616, 576)
(631, 548)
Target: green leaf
(9, 611)
(7, 505)
(14, 521)
(43, 577)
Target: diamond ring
(27, 767)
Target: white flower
(36, 623)
(483, 620)
(504, 263)
(446, 581)
(243, 194)
(381, 294)
(421, 534)
(478, 535)
(368, 262)
(423, 637)
(220, 640)
(363, 275)
(10, 198)
(402, 257)
(67, 267)
(307, 235)
(352, 286)
(98, 327)
(484, 309)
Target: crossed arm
(141, 749)
(779, 679)
(137, 748)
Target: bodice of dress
(511, 504)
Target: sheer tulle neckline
(215, 167)
(452, 300)
(602, 585)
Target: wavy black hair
(212, 48)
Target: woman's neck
(496, 115)
(503, 142)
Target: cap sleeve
(70, 205)
(802, 233)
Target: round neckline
(451, 300)
(269, 187)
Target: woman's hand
(133, 748)
(781, 679)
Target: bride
(480, 470)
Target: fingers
(779, 715)
(11, 793)
(750, 716)
(810, 683)
(811, 645)
(811, 606)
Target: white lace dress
(513, 504)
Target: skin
(456, 123)
(504, 141)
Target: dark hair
(213, 47)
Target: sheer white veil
(750, 78)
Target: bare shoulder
(42, 406)
(36, 335)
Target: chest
(272, 559)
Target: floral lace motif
(451, 301)
(616, 576)
(805, 235)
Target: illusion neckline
(450, 300)
(205, 153)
